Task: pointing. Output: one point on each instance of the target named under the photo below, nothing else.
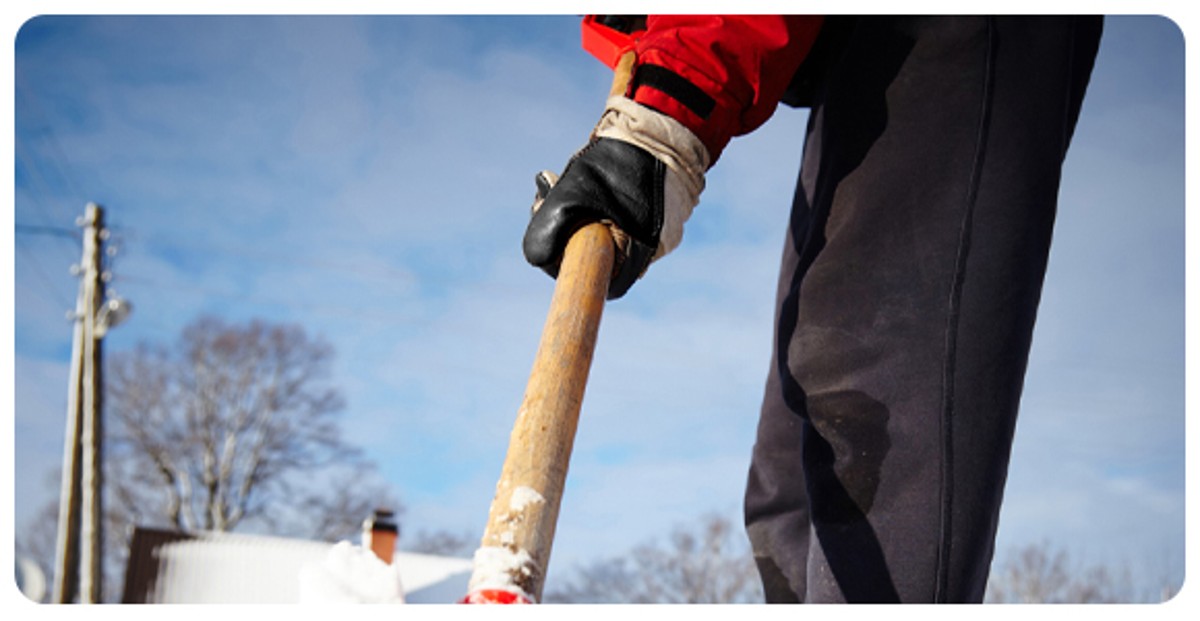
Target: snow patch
(523, 497)
(350, 574)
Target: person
(910, 278)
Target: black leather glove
(608, 181)
(641, 174)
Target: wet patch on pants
(852, 446)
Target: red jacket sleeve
(719, 75)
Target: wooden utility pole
(79, 550)
(66, 552)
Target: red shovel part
(493, 596)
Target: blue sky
(369, 178)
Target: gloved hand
(641, 174)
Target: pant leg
(776, 502)
(917, 248)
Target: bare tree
(1039, 574)
(235, 426)
(335, 510)
(700, 566)
(36, 540)
(705, 564)
(443, 543)
(219, 426)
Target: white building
(224, 568)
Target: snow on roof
(233, 568)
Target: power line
(36, 265)
(39, 186)
(53, 231)
(38, 270)
(56, 155)
(358, 314)
(264, 255)
(37, 162)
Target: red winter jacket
(719, 75)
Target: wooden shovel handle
(515, 550)
(622, 74)
(524, 512)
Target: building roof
(173, 567)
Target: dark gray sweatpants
(910, 282)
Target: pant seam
(954, 308)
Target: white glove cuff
(674, 145)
